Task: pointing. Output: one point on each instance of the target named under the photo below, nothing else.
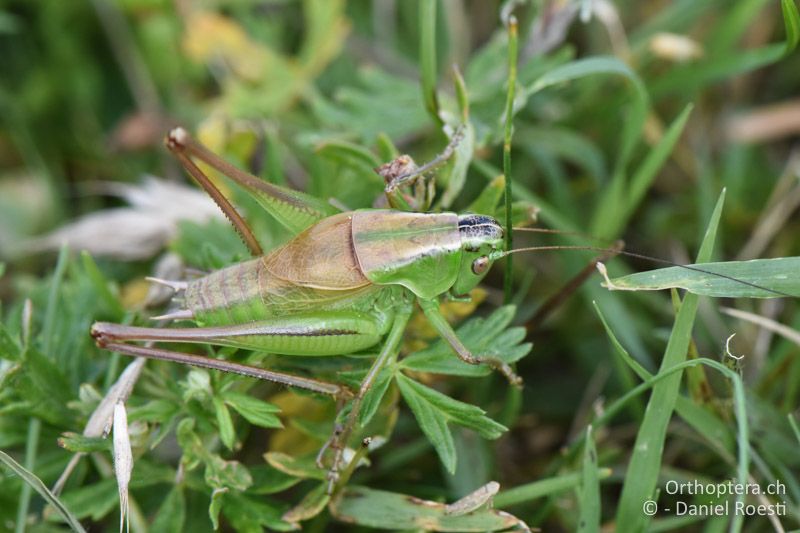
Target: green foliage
(612, 136)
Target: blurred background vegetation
(630, 118)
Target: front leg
(443, 328)
(403, 173)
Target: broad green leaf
(485, 337)
(433, 425)
(434, 410)
(389, 510)
(759, 278)
(255, 411)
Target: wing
(322, 257)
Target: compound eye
(480, 265)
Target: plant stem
(512, 82)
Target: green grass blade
(427, 57)
(589, 520)
(36, 484)
(791, 19)
(543, 487)
(759, 278)
(795, 429)
(643, 469)
(712, 428)
(508, 131)
(648, 170)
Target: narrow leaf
(398, 512)
(255, 411)
(36, 484)
(758, 278)
(225, 424)
(645, 463)
(589, 520)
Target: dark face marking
(477, 230)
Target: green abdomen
(248, 292)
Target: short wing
(321, 257)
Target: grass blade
(589, 520)
(427, 57)
(642, 474)
(543, 487)
(36, 484)
(508, 131)
(759, 278)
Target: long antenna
(498, 255)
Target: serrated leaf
(255, 411)
(485, 337)
(433, 410)
(742, 279)
(389, 510)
